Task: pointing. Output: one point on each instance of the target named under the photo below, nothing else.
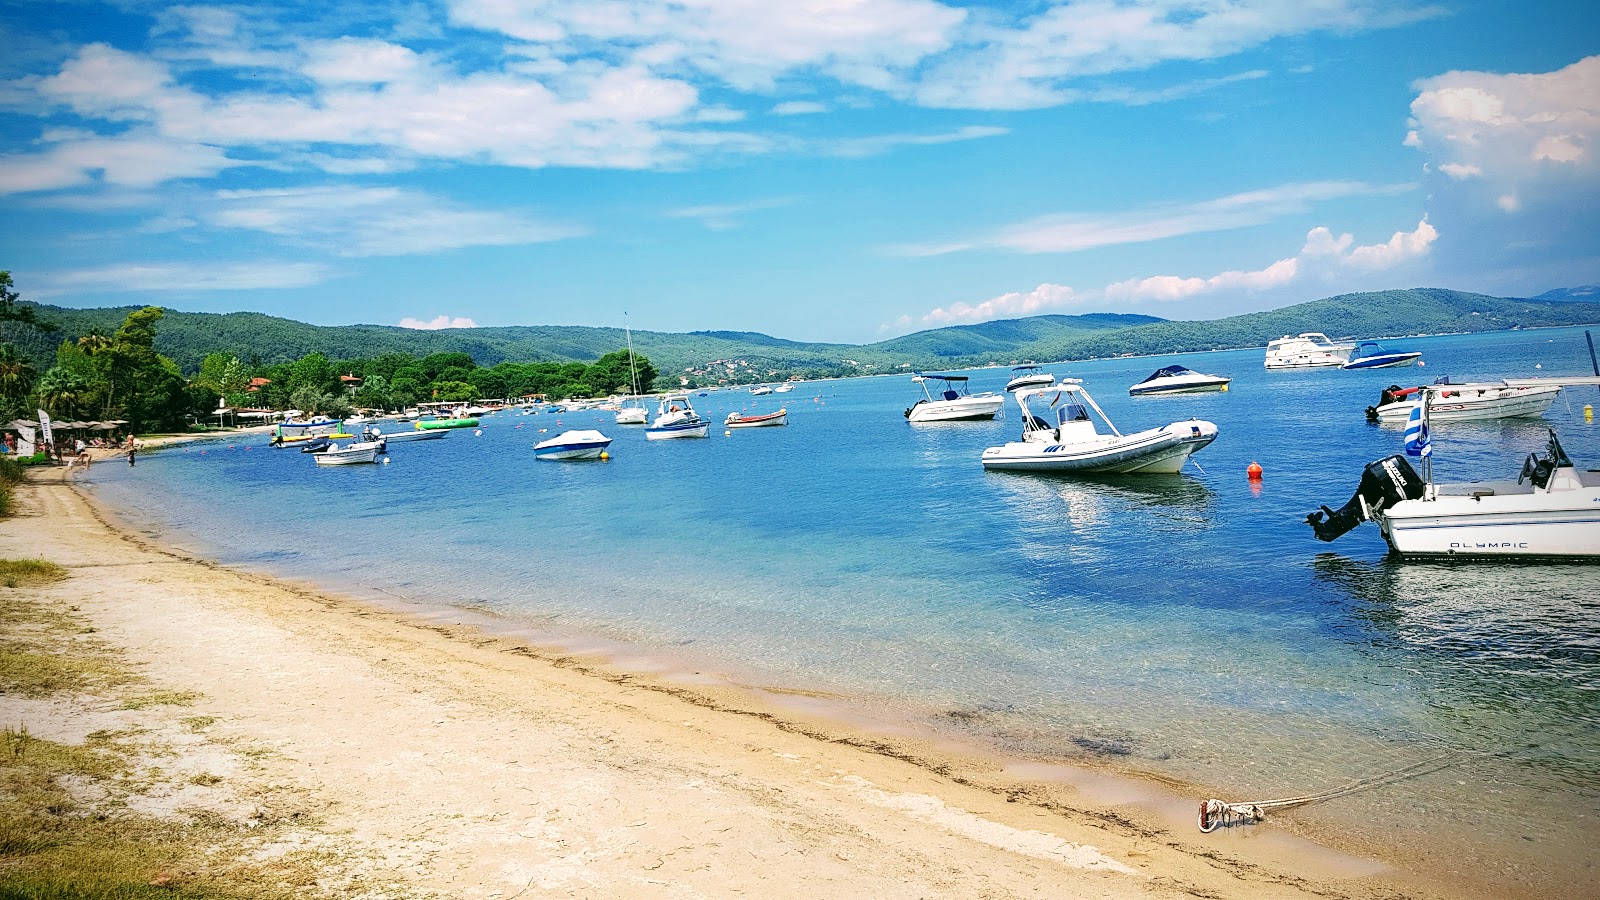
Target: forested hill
(253, 337)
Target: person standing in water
(132, 449)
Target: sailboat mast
(633, 370)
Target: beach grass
(45, 648)
(16, 573)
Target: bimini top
(1021, 369)
(943, 377)
(1169, 372)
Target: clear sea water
(1187, 625)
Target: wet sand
(472, 765)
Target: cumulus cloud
(137, 159)
(438, 322)
(1072, 232)
(1322, 254)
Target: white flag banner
(44, 426)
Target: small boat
(350, 454)
(1178, 380)
(1072, 444)
(760, 391)
(735, 420)
(952, 405)
(1369, 355)
(1029, 376)
(572, 445)
(1551, 510)
(408, 434)
(1309, 350)
(675, 418)
(784, 388)
(316, 426)
(431, 424)
(1510, 399)
(315, 445)
(635, 414)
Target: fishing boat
(572, 445)
(1178, 380)
(631, 411)
(1552, 509)
(1029, 376)
(1525, 398)
(953, 403)
(735, 420)
(1369, 355)
(1069, 441)
(350, 454)
(459, 422)
(1309, 350)
(676, 418)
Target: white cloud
(238, 276)
(884, 143)
(723, 217)
(438, 322)
(799, 108)
(137, 159)
(1459, 171)
(1072, 232)
(374, 221)
(1322, 254)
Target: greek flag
(1417, 442)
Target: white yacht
(1309, 350)
(1071, 442)
(760, 390)
(1552, 509)
(1179, 380)
(1029, 376)
(784, 388)
(1510, 399)
(953, 403)
(676, 418)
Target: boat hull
(1158, 451)
(1030, 381)
(1509, 403)
(1386, 361)
(573, 445)
(1180, 387)
(401, 436)
(779, 418)
(347, 457)
(633, 416)
(964, 409)
(685, 430)
(1519, 525)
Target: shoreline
(1134, 821)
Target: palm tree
(63, 393)
(16, 375)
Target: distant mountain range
(711, 356)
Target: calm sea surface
(1189, 625)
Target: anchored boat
(1368, 355)
(1068, 440)
(1178, 380)
(351, 454)
(735, 420)
(1309, 350)
(953, 403)
(572, 445)
(1512, 398)
(675, 418)
(1029, 376)
(1551, 509)
(406, 435)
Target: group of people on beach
(82, 458)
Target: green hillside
(712, 356)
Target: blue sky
(841, 170)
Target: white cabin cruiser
(1551, 510)
(578, 444)
(1178, 380)
(1070, 442)
(1029, 376)
(675, 418)
(1513, 398)
(952, 405)
(784, 388)
(760, 390)
(1309, 350)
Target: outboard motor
(1383, 483)
(1384, 399)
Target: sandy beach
(412, 756)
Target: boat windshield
(1168, 372)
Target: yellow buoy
(1224, 389)
(604, 455)
(727, 432)
(1588, 413)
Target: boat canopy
(944, 377)
(1020, 369)
(1169, 372)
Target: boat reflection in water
(1096, 509)
(1504, 640)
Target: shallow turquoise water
(1185, 624)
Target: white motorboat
(1070, 442)
(573, 445)
(784, 388)
(1551, 510)
(1309, 350)
(1179, 380)
(675, 418)
(407, 434)
(1509, 399)
(350, 454)
(736, 420)
(1029, 376)
(760, 390)
(1369, 355)
(953, 403)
